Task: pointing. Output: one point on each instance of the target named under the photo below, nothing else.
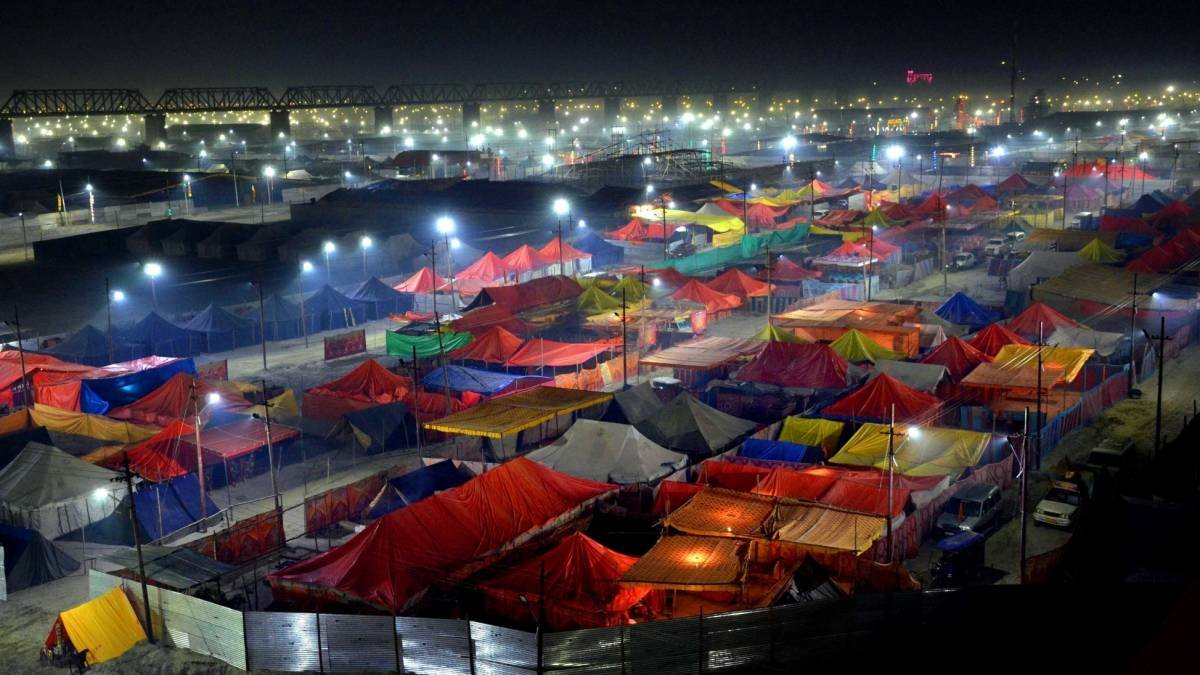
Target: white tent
(1042, 265)
(920, 376)
(712, 209)
(1103, 342)
(47, 490)
(608, 452)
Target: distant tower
(960, 113)
(1036, 107)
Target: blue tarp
(98, 396)
(1129, 240)
(163, 508)
(603, 253)
(332, 310)
(962, 310)
(282, 319)
(31, 559)
(89, 346)
(380, 299)
(416, 485)
(156, 335)
(781, 451)
(462, 378)
(221, 330)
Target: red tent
(984, 203)
(422, 281)
(368, 385)
(488, 268)
(529, 294)
(894, 211)
(1026, 323)
(669, 277)
(731, 206)
(172, 400)
(875, 400)
(1117, 171)
(879, 247)
(526, 259)
(1141, 266)
(492, 316)
(395, 560)
(934, 205)
(967, 193)
(432, 405)
(540, 352)
(957, 355)
(40, 370)
(1120, 224)
(993, 337)
(786, 270)
(737, 282)
(155, 458)
(636, 230)
(713, 301)
(787, 364)
(1014, 183)
(1173, 213)
(850, 249)
(552, 250)
(672, 495)
(858, 490)
(580, 577)
(838, 217)
(491, 345)
(761, 215)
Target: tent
(610, 453)
(595, 301)
(787, 364)
(166, 508)
(89, 346)
(579, 579)
(380, 299)
(155, 335)
(786, 270)
(173, 400)
(1015, 183)
(492, 345)
(781, 451)
(668, 278)
(156, 458)
(30, 559)
(1099, 252)
(486, 318)
(688, 425)
(815, 432)
(489, 268)
(540, 352)
(1038, 314)
(525, 262)
(221, 330)
(379, 428)
(1041, 265)
(926, 377)
(1105, 343)
(367, 385)
(175, 568)
(603, 253)
(392, 563)
(771, 333)
(104, 628)
(420, 483)
(47, 490)
(573, 260)
(962, 310)
(528, 295)
(423, 280)
(634, 289)
(121, 384)
(402, 345)
(485, 382)
(13, 442)
(854, 490)
(919, 451)
(875, 401)
(856, 348)
(330, 310)
(993, 337)
(737, 282)
(713, 301)
(633, 405)
(282, 319)
(958, 357)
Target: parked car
(997, 246)
(1062, 506)
(1112, 456)
(963, 260)
(1015, 236)
(975, 508)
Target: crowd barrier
(345, 502)
(243, 541)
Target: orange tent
(492, 345)
(875, 400)
(737, 282)
(526, 259)
(489, 268)
(424, 280)
(993, 337)
(551, 251)
(713, 301)
(155, 458)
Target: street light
(305, 268)
(788, 143)
(213, 398)
(328, 248)
(269, 172)
(154, 271)
(896, 154)
(365, 242)
(562, 208)
(446, 226)
(110, 296)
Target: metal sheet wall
(434, 646)
(351, 642)
(283, 641)
(201, 626)
(3, 581)
(595, 651)
(503, 651)
(665, 647)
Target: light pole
(446, 226)
(365, 243)
(896, 154)
(788, 143)
(1143, 157)
(153, 270)
(561, 208)
(328, 248)
(187, 194)
(24, 238)
(110, 296)
(305, 268)
(269, 173)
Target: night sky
(848, 45)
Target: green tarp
(750, 246)
(401, 345)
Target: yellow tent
(817, 433)
(1070, 359)
(634, 289)
(846, 235)
(856, 347)
(920, 451)
(284, 408)
(106, 627)
(876, 218)
(594, 301)
(1099, 252)
(507, 415)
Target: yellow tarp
(283, 408)
(507, 415)
(1100, 252)
(877, 218)
(855, 347)
(846, 235)
(634, 289)
(102, 453)
(1070, 359)
(107, 627)
(772, 334)
(725, 187)
(14, 422)
(817, 433)
(92, 426)
(826, 528)
(716, 222)
(920, 451)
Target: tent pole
(21, 354)
(262, 322)
(416, 409)
(624, 346)
(1024, 487)
(200, 461)
(137, 543)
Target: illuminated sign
(916, 78)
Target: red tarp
(761, 215)
(740, 476)
(173, 400)
(535, 293)
(488, 268)
(1117, 171)
(581, 586)
(850, 249)
(878, 247)
(552, 250)
(1139, 265)
(732, 207)
(737, 282)
(786, 270)
(39, 368)
(423, 281)
(1014, 183)
(934, 205)
(838, 217)
(1173, 213)
(993, 337)
(634, 230)
(1120, 224)
(526, 259)
(391, 563)
(672, 495)
(669, 277)
(368, 383)
(431, 406)
(1026, 323)
(491, 345)
(894, 211)
(713, 301)
(479, 320)
(232, 440)
(957, 355)
(156, 458)
(875, 400)
(787, 364)
(967, 193)
(859, 490)
(540, 352)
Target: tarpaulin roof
(861, 491)
(535, 293)
(486, 318)
(11, 373)
(556, 247)
(653, 216)
(392, 562)
(608, 452)
(688, 425)
(540, 352)
(1013, 376)
(1026, 323)
(723, 513)
(173, 400)
(155, 458)
(507, 415)
(786, 364)
(493, 345)
(855, 347)
(489, 268)
(1104, 342)
(234, 439)
(1101, 284)
(673, 494)
(104, 628)
(159, 336)
(163, 508)
(1041, 265)
(669, 277)
(214, 319)
(958, 356)
(30, 559)
(374, 290)
(461, 378)
(45, 489)
(401, 345)
(1173, 213)
(876, 398)
(381, 427)
(850, 249)
(704, 353)
(173, 567)
(634, 289)
(124, 383)
(526, 259)
(603, 253)
(690, 563)
(786, 270)
(781, 451)
(964, 311)
(89, 345)
(934, 204)
(817, 432)
(1099, 252)
(877, 218)
(579, 577)
(993, 337)
(878, 247)
(277, 309)
(820, 527)
(422, 281)
(927, 451)
(1070, 359)
(328, 299)
(772, 333)
(713, 301)
(1014, 183)
(633, 405)
(1111, 223)
(91, 426)
(420, 483)
(369, 382)
(1116, 171)
(737, 282)
(635, 230)
(594, 301)
(920, 376)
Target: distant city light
(118, 296)
(366, 242)
(306, 266)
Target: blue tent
(781, 451)
(163, 508)
(1149, 203)
(387, 427)
(332, 310)
(849, 183)
(89, 346)
(221, 330)
(282, 318)
(380, 299)
(155, 335)
(962, 310)
(462, 378)
(98, 396)
(603, 253)
(416, 485)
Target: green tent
(877, 218)
(596, 301)
(774, 334)
(634, 289)
(401, 345)
(856, 347)
(1099, 252)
